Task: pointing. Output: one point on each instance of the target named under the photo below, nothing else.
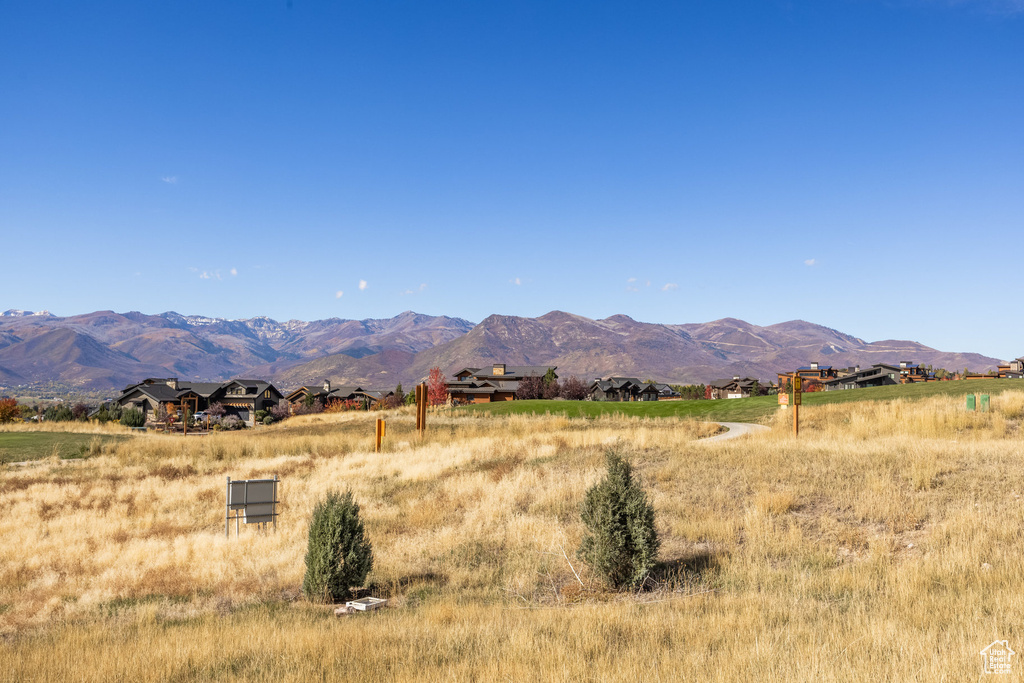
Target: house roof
(743, 383)
(204, 389)
(160, 391)
(864, 375)
(511, 371)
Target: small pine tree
(338, 556)
(621, 544)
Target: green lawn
(20, 446)
(746, 409)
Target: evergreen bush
(621, 544)
(133, 418)
(339, 555)
(58, 413)
(268, 420)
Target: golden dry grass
(855, 553)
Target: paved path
(736, 429)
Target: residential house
(243, 397)
(667, 393)
(736, 387)
(240, 397)
(496, 382)
(623, 389)
(880, 374)
(371, 397)
(1012, 370)
(813, 371)
(323, 392)
(326, 394)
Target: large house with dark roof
(879, 375)
(624, 389)
(240, 397)
(737, 387)
(326, 394)
(496, 382)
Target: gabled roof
(743, 383)
(157, 392)
(511, 371)
(375, 395)
(203, 389)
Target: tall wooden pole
(797, 400)
(418, 400)
(421, 408)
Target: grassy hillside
(745, 409)
(21, 446)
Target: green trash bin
(984, 403)
(971, 406)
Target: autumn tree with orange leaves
(9, 410)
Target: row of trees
(692, 392)
(549, 387)
(12, 411)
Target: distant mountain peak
(18, 313)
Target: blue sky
(855, 163)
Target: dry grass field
(884, 544)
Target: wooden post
(419, 400)
(380, 433)
(797, 400)
(227, 513)
(423, 408)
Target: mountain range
(105, 350)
